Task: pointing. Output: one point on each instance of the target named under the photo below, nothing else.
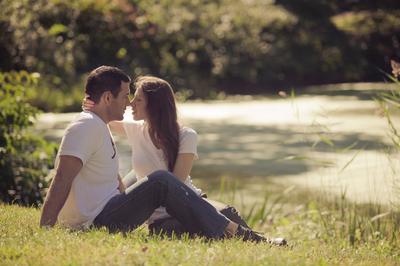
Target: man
(87, 189)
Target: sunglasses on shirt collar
(113, 145)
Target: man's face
(119, 103)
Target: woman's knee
(160, 175)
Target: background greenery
(25, 158)
(203, 47)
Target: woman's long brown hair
(162, 116)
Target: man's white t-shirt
(89, 139)
(147, 158)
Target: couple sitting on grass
(88, 191)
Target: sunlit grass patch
(319, 232)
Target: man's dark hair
(105, 78)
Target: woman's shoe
(250, 235)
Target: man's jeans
(132, 208)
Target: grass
(320, 233)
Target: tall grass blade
(349, 162)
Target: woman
(159, 143)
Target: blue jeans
(132, 208)
(170, 225)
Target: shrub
(25, 159)
(201, 47)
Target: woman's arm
(117, 127)
(121, 185)
(183, 165)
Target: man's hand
(67, 170)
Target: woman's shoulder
(187, 136)
(188, 141)
(187, 131)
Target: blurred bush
(203, 47)
(54, 100)
(24, 158)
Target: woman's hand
(87, 104)
(121, 185)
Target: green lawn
(319, 234)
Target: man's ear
(106, 97)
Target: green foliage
(53, 100)
(304, 214)
(203, 47)
(24, 158)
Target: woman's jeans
(171, 226)
(132, 208)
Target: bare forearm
(55, 200)
(117, 127)
(183, 166)
(180, 176)
(121, 185)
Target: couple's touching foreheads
(87, 190)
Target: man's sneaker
(247, 234)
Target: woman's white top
(147, 158)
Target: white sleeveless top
(147, 158)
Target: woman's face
(139, 105)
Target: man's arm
(68, 168)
